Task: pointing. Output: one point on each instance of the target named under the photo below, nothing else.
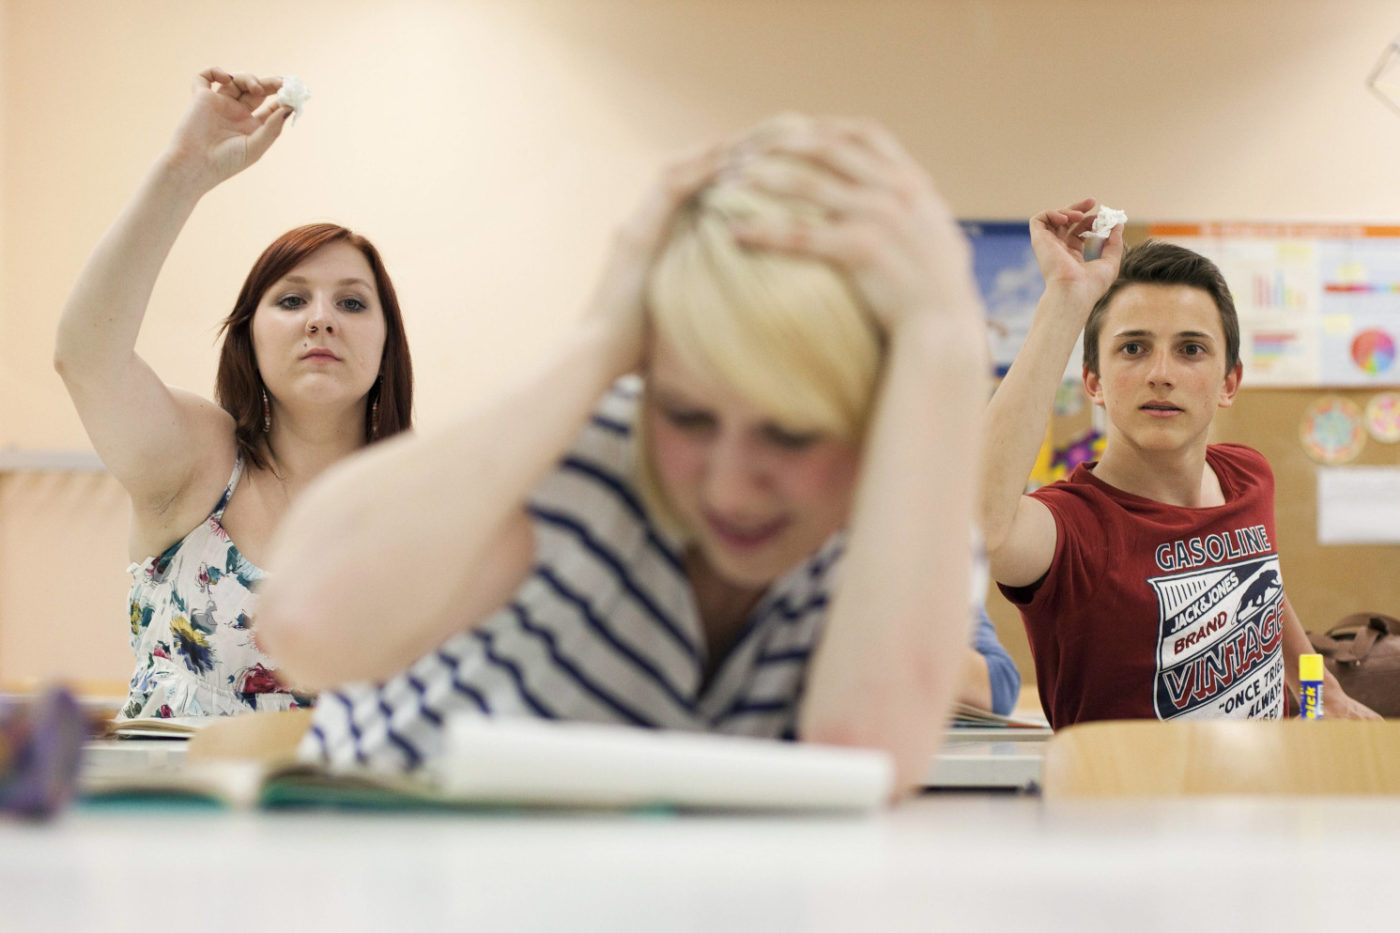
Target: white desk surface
(947, 861)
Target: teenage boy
(1149, 581)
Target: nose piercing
(312, 328)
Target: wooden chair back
(1146, 758)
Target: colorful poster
(1009, 279)
(1361, 311)
(1319, 304)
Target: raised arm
(392, 552)
(892, 656)
(149, 436)
(1020, 532)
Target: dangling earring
(267, 414)
(374, 413)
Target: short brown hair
(239, 386)
(1158, 263)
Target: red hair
(239, 386)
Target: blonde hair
(786, 333)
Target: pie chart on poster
(1373, 351)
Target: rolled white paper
(293, 94)
(1104, 222)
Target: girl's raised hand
(232, 120)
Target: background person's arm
(1020, 532)
(975, 688)
(153, 438)
(991, 681)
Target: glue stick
(1310, 686)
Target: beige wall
(489, 146)
(62, 557)
(7, 386)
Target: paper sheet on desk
(1358, 505)
(526, 762)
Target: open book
(243, 783)
(528, 763)
(150, 727)
(970, 716)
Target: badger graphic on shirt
(1220, 629)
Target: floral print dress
(191, 629)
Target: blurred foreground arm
(891, 658)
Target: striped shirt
(604, 629)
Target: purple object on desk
(41, 744)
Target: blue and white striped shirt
(604, 629)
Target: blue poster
(1010, 282)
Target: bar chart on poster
(1319, 303)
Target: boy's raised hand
(1059, 248)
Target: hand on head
(1059, 248)
(877, 217)
(619, 301)
(870, 212)
(232, 120)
